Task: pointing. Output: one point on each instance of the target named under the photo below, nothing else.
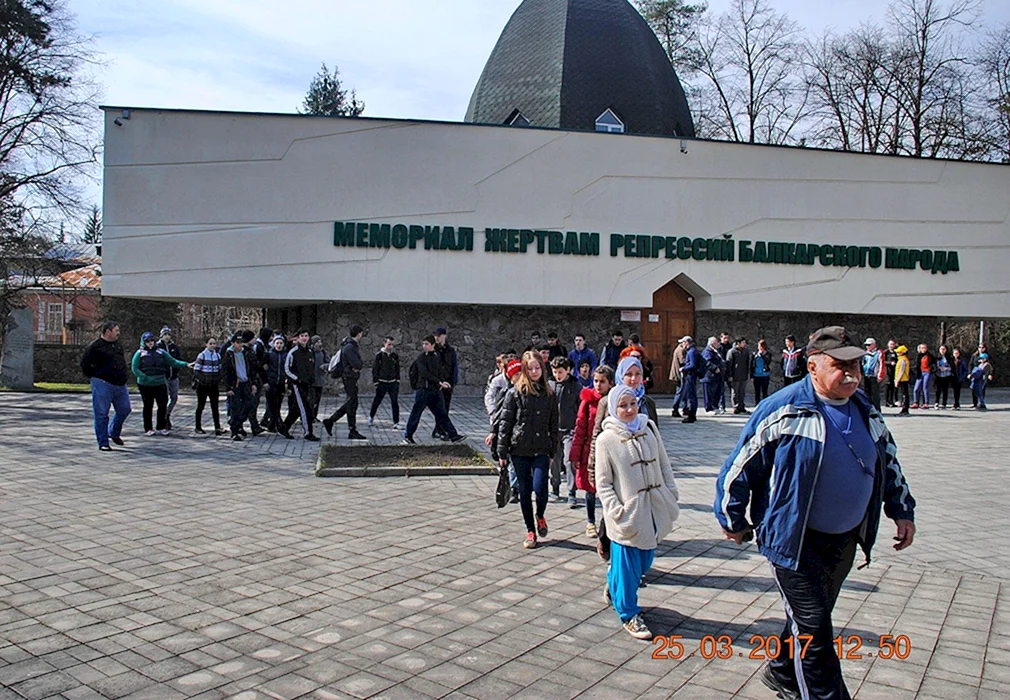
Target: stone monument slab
(17, 366)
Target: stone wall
(478, 333)
(61, 364)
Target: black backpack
(414, 374)
(336, 367)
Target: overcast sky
(405, 58)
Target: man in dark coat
(351, 365)
(104, 363)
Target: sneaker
(118, 440)
(168, 423)
(785, 689)
(531, 540)
(515, 498)
(355, 435)
(606, 594)
(242, 432)
(689, 420)
(312, 438)
(458, 438)
(637, 628)
(287, 435)
(937, 406)
(105, 448)
(542, 527)
(555, 497)
(218, 431)
(396, 426)
(328, 424)
(573, 502)
(150, 433)
(914, 405)
(236, 437)
(165, 431)
(675, 413)
(408, 441)
(371, 421)
(591, 530)
(199, 431)
(257, 433)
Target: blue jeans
(103, 397)
(532, 473)
(689, 395)
(921, 389)
(627, 566)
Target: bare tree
(994, 62)
(931, 74)
(751, 58)
(48, 120)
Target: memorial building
(573, 198)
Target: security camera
(117, 121)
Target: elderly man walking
(104, 364)
(816, 463)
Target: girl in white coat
(635, 484)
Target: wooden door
(670, 318)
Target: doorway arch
(670, 318)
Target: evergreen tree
(93, 227)
(327, 97)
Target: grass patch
(56, 388)
(366, 456)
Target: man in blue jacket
(815, 462)
(689, 379)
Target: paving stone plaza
(184, 566)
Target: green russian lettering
(825, 254)
(526, 236)
(400, 236)
(746, 253)
(378, 236)
(361, 237)
(699, 247)
(589, 243)
(953, 264)
(495, 240)
(432, 234)
(513, 246)
(876, 257)
(448, 239)
(541, 237)
(629, 246)
(466, 237)
(939, 262)
(556, 243)
(671, 247)
(684, 248)
(343, 234)
(616, 243)
(572, 243)
(658, 244)
(760, 252)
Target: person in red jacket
(603, 382)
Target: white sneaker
(164, 432)
(396, 426)
(150, 433)
(371, 421)
(637, 628)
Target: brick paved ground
(196, 567)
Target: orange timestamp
(765, 647)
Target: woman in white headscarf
(635, 483)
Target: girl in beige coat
(635, 484)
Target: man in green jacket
(151, 366)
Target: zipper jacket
(774, 469)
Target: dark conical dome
(563, 63)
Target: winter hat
(513, 368)
(984, 356)
(280, 338)
(165, 330)
(441, 331)
(315, 339)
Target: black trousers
(903, 396)
(299, 407)
(809, 596)
(203, 393)
(315, 397)
(154, 395)
(942, 389)
(786, 381)
(433, 400)
(350, 406)
(381, 389)
(872, 388)
(275, 399)
(891, 394)
(955, 386)
(242, 406)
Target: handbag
(503, 493)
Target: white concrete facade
(231, 207)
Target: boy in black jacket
(566, 390)
(386, 377)
(300, 368)
(351, 364)
(428, 394)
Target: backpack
(336, 367)
(414, 374)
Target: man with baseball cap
(823, 450)
(874, 371)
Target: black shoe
(257, 433)
(458, 438)
(199, 431)
(287, 435)
(118, 441)
(328, 424)
(168, 424)
(690, 419)
(355, 435)
(242, 432)
(218, 431)
(236, 437)
(409, 441)
(515, 498)
(312, 438)
(105, 448)
(785, 689)
(675, 413)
